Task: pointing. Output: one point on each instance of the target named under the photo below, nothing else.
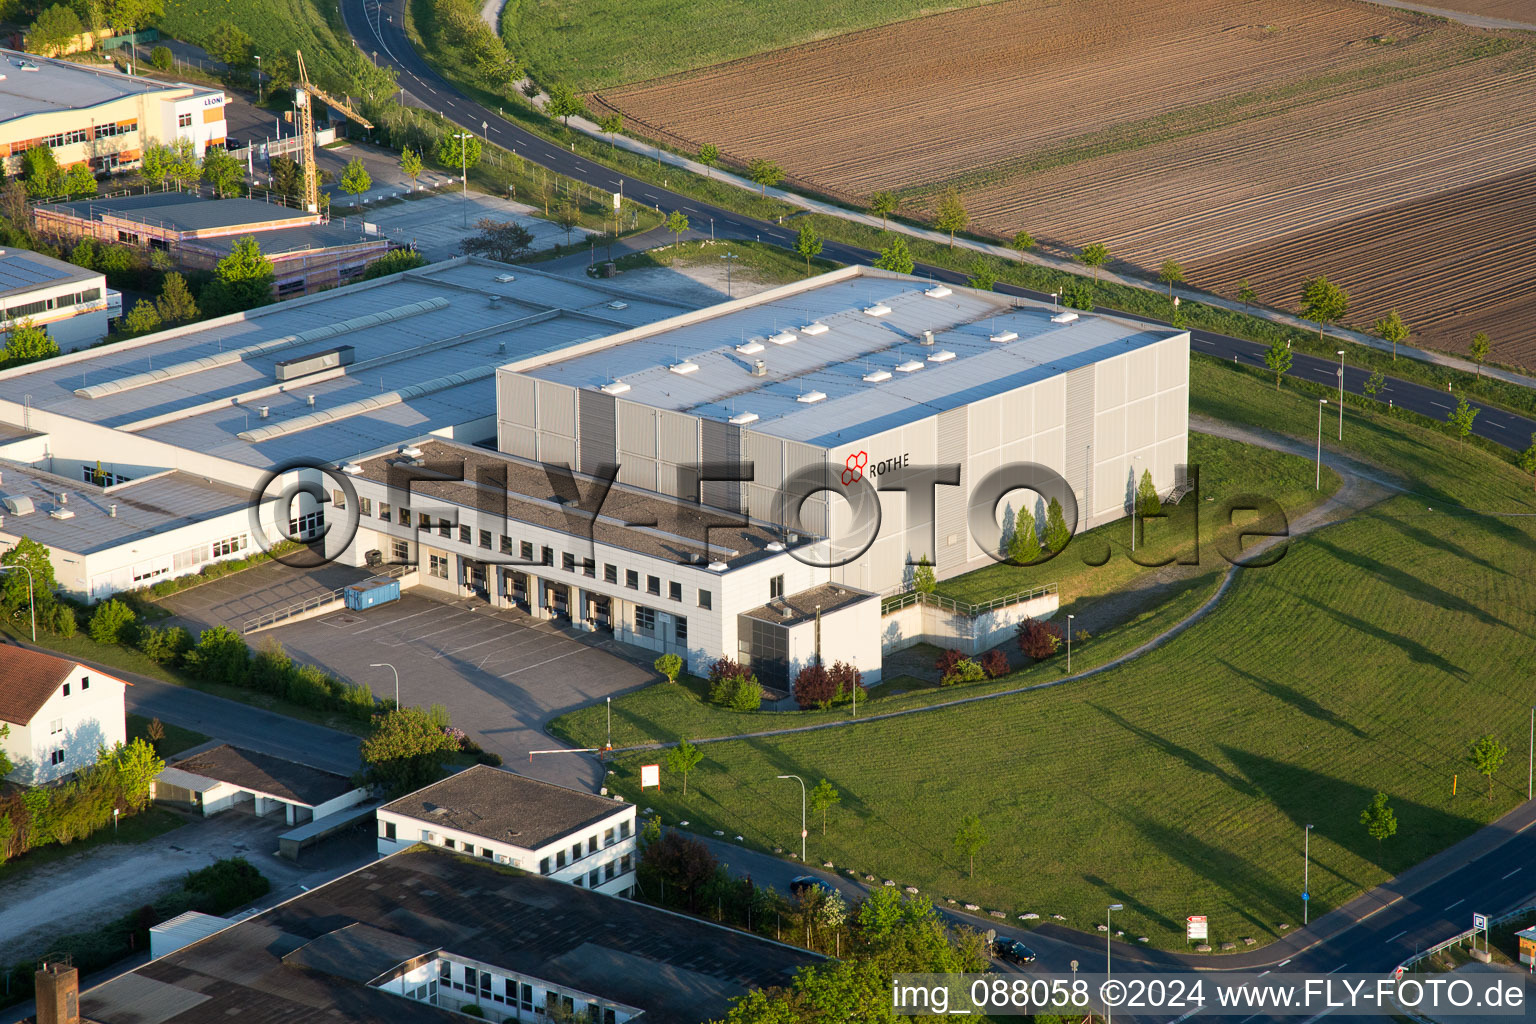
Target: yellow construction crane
(304, 93)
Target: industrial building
(70, 304)
(217, 777)
(98, 116)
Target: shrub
(112, 622)
(946, 661)
(725, 668)
(813, 687)
(62, 621)
(220, 656)
(995, 664)
(1039, 640)
(668, 665)
(161, 58)
(486, 757)
(964, 671)
(747, 696)
(846, 679)
(164, 646)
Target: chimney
(927, 338)
(759, 368)
(58, 994)
(112, 511)
(310, 401)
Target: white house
(59, 713)
(570, 836)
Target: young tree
(808, 244)
(564, 104)
(882, 204)
(231, 44)
(1481, 345)
(1488, 757)
(669, 665)
(1323, 302)
(1024, 544)
(457, 153)
(405, 749)
(410, 165)
(764, 173)
(162, 58)
(1245, 294)
(141, 319)
(111, 622)
(1023, 241)
(40, 173)
(1147, 501)
(287, 177)
(709, 154)
(27, 344)
(1379, 820)
(355, 179)
(223, 172)
(1391, 328)
(682, 759)
(896, 257)
(502, 240)
(1278, 358)
(79, 182)
(1057, 533)
(567, 215)
(1375, 382)
(242, 279)
(970, 837)
(175, 304)
(394, 262)
(823, 797)
(155, 731)
(54, 29)
(1462, 416)
(1094, 256)
(36, 558)
(923, 580)
(1528, 459)
(950, 215)
(677, 223)
(1171, 274)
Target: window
(609, 1016)
(680, 629)
(228, 547)
(631, 579)
(402, 551)
(653, 585)
(525, 549)
(466, 535)
(595, 877)
(544, 866)
(485, 982)
(389, 830)
(607, 837)
(485, 851)
(506, 544)
(589, 568)
(306, 526)
(85, 682)
(485, 539)
(126, 237)
(559, 859)
(706, 600)
(365, 506)
(184, 120)
(609, 870)
(568, 562)
(675, 591)
(447, 843)
(610, 573)
(405, 516)
(547, 555)
(57, 757)
(438, 566)
(776, 587)
(444, 528)
(645, 620)
(624, 829)
(576, 881)
(444, 971)
(339, 498)
(423, 522)
(55, 727)
(592, 843)
(384, 511)
(624, 863)
(526, 997)
(66, 689)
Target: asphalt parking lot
(502, 675)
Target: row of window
(78, 135)
(102, 478)
(69, 138)
(63, 301)
(645, 624)
(610, 836)
(473, 981)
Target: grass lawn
(176, 739)
(135, 828)
(755, 261)
(1367, 659)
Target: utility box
(360, 596)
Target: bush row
(41, 815)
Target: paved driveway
(502, 675)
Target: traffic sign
(1198, 927)
(1397, 975)
(1306, 896)
(1480, 922)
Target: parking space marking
(546, 661)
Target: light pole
(1341, 394)
(385, 664)
(464, 138)
(803, 833)
(1317, 484)
(258, 78)
(1069, 643)
(1109, 1013)
(1306, 875)
(728, 257)
(31, 597)
(114, 822)
(610, 722)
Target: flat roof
(815, 388)
(47, 84)
(183, 211)
(802, 607)
(262, 773)
(505, 807)
(675, 968)
(23, 271)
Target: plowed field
(1163, 128)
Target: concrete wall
(921, 622)
(74, 726)
(850, 634)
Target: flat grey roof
(23, 271)
(65, 85)
(961, 366)
(300, 238)
(505, 807)
(183, 211)
(802, 607)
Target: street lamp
(728, 257)
(1317, 484)
(803, 832)
(1341, 394)
(258, 78)
(1069, 643)
(31, 601)
(385, 664)
(1306, 865)
(1109, 1009)
(114, 822)
(464, 138)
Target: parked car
(1012, 949)
(800, 883)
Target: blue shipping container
(371, 592)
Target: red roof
(27, 679)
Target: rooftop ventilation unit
(759, 368)
(112, 511)
(926, 339)
(776, 545)
(63, 498)
(812, 397)
(264, 411)
(1004, 337)
(782, 338)
(878, 309)
(309, 400)
(20, 505)
(815, 329)
(505, 279)
(684, 368)
(942, 356)
(939, 291)
(877, 376)
(410, 451)
(741, 419)
(299, 366)
(62, 513)
(1064, 317)
(718, 567)
(910, 366)
(616, 304)
(750, 348)
(616, 387)
(495, 302)
(351, 469)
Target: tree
(175, 163)
(764, 173)
(1095, 256)
(1024, 545)
(1147, 501)
(410, 165)
(503, 241)
(394, 262)
(1488, 757)
(1077, 294)
(223, 172)
(1278, 358)
(40, 173)
(709, 154)
(242, 280)
(287, 177)
(29, 554)
(355, 179)
(155, 731)
(132, 15)
(950, 215)
(220, 656)
(231, 44)
(1245, 294)
(980, 274)
(27, 344)
(682, 759)
(1391, 328)
(669, 665)
(1462, 416)
(677, 223)
(1057, 533)
(1323, 302)
(405, 750)
(458, 150)
(611, 124)
(1379, 820)
(896, 257)
(111, 623)
(823, 797)
(175, 304)
(162, 58)
(564, 104)
(808, 244)
(54, 29)
(1171, 274)
(79, 182)
(6, 767)
(1375, 382)
(1481, 344)
(923, 580)
(1528, 459)
(970, 837)
(141, 319)
(882, 204)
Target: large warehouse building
(466, 417)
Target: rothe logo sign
(853, 470)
